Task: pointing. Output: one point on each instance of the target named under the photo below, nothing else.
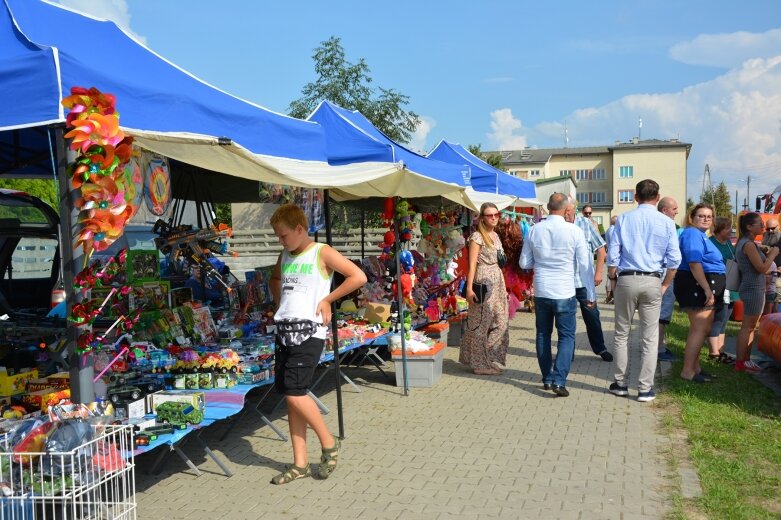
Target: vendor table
(220, 404)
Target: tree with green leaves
(719, 198)
(494, 159)
(44, 189)
(349, 86)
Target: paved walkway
(470, 447)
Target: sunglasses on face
(587, 213)
(771, 229)
(491, 215)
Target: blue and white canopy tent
(486, 178)
(45, 49)
(351, 137)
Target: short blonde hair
(291, 216)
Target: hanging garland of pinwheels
(105, 200)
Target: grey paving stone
(470, 447)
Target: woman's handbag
(733, 275)
(501, 258)
(482, 291)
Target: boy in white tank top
(301, 286)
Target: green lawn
(733, 426)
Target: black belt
(640, 273)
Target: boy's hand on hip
(324, 311)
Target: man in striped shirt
(588, 309)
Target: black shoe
(616, 389)
(605, 355)
(546, 386)
(560, 390)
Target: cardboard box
(135, 408)
(141, 423)
(194, 397)
(205, 381)
(224, 380)
(377, 312)
(36, 385)
(43, 399)
(60, 379)
(14, 384)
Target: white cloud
(504, 126)
(732, 121)
(418, 140)
(727, 50)
(115, 10)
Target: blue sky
(508, 74)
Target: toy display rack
(94, 480)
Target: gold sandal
(292, 473)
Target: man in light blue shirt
(556, 249)
(588, 309)
(643, 244)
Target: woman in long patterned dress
(486, 336)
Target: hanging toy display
(98, 172)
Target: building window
(626, 196)
(534, 173)
(565, 173)
(586, 197)
(596, 219)
(626, 172)
(590, 175)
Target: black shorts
(690, 295)
(294, 367)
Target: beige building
(606, 176)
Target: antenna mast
(706, 186)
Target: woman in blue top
(699, 287)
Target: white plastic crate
(93, 481)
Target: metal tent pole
(334, 328)
(81, 373)
(363, 234)
(400, 303)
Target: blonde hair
(481, 224)
(291, 216)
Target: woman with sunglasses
(753, 265)
(699, 287)
(486, 336)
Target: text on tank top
(304, 285)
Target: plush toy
(388, 239)
(406, 260)
(389, 210)
(432, 311)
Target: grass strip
(734, 432)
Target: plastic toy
(116, 394)
(178, 412)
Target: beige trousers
(643, 293)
